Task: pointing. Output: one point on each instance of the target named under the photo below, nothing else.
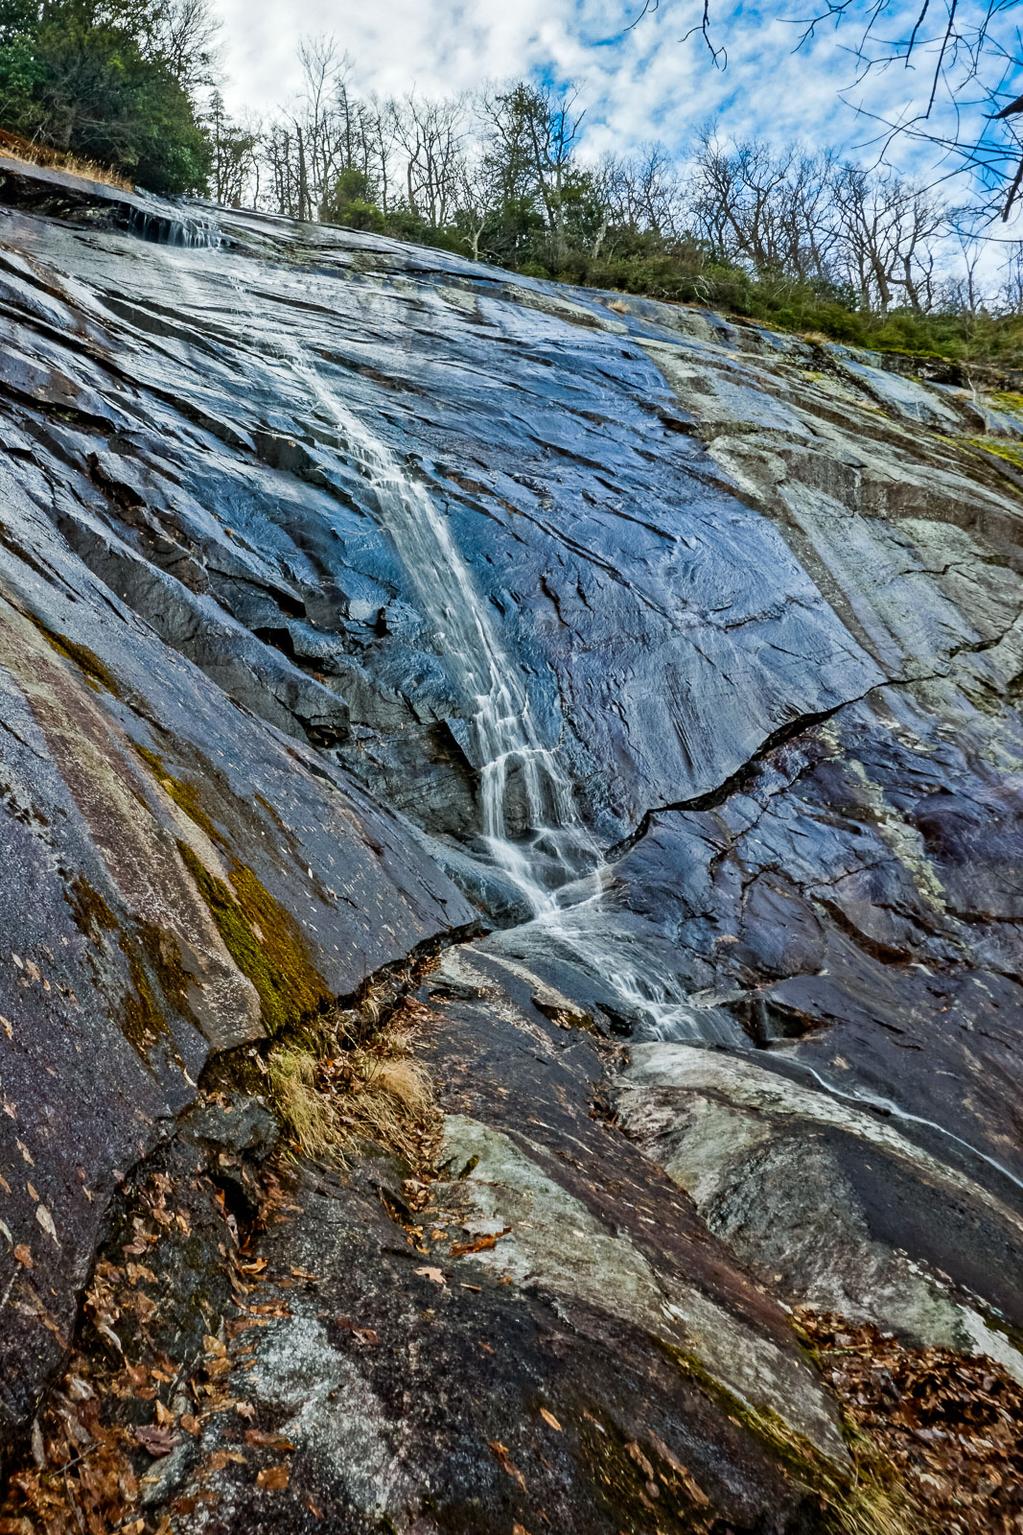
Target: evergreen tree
(111, 81)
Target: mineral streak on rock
(661, 675)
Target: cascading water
(557, 847)
(558, 866)
(190, 232)
(552, 860)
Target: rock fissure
(323, 1008)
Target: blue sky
(638, 85)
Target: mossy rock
(265, 942)
(183, 791)
(97, 674)
(999, 447)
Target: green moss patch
(92, 915)
(96, 673)
(1004, 399)
(183, 791)
(265, 942)
(999, 447)
(141, 1017)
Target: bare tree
(187, 33)
(328, 136)
(887, 232)
(429, 136)
(477, 202)
(643, 191)
(963, 64)
(1010, 294)
(771, 212)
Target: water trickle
(863, 1098)
(556, 865)
(555, 847)
(187, 231)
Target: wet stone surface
(659, 674)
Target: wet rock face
(351, 596)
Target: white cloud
(637, 85)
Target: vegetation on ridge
(801, 241)
(111, 83)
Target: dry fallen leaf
(221, 1458)
(683, 1473)
(156, 1439)
(550, 1419)
(274, 1478)
(261, 1438)
(506, 1463)
(478, 1244)
(367, 1336)
(106, 1331)
(45, 1220)
(431, 1273)
(23, 1255)
(634, 1453)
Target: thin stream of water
(868, 1100)
(556, 864)
(505, 741)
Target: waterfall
(555, 862)
(557, 848)
(558, 867)
(191, 232)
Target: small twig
(74, 1460)
(73, 1502)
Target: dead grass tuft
(16, 148)
(869, 1501)
(334, 1092)
(305, 1109)
(391, 1103)
(874, 1505)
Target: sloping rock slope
(621, 702)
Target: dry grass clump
(334, 1091)
(16, 148)
(869, 1501)
(305, 1108)
(874, 1504)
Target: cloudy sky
(638, 84)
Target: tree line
(800, 239)
(501, 175)
(116, 82)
